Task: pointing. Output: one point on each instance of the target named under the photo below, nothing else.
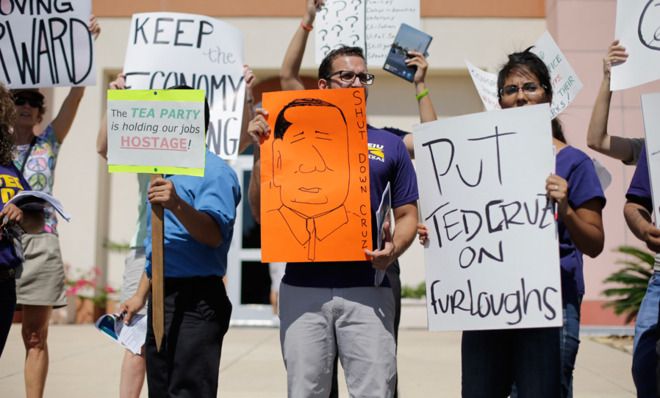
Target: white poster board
(638, 30)
(565, 82)
(369, 24)
(168, 49)
(650, 106)
(492, 260)
(46, 44)
(156, 131)
(486, 85)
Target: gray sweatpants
(357, 321)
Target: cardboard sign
(315, 177)
(169, 49)
(46, 44)
(369, 24)
(565, 83)
(492, 261)
(486, 85)
(637, 28)
(650, 104)
(156, 131)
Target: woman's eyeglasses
(529, 89)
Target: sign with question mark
(369, 24)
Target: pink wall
(584, 29)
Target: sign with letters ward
(46, 44)
(492, 260)
(156, 131)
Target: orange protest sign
(315, 177)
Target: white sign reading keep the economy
(650, 106)
(169, 49)
(638, 30)
(46, 44)
(565, 82)
(369, 24)
(492, 261)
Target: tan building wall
(105, 209)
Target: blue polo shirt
(11, 182)
(388, 162)
(578, 170)
(216, 194)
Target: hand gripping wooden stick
(157, 272)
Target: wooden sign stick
(157, 272)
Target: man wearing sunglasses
(341, 309)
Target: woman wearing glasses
(540, 361)
(41, 286)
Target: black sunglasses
(33, 102)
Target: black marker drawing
(311, 168)
(648, 28)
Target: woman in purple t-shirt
(539, 362)
(11, 182)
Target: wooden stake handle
(157, 272)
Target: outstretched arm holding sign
(64, 119)
(598, 139)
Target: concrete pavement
(84, 363)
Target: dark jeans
(645, 359)
(197, 312)
(394, 276)
(570, 342)
(493, 360)
(7, 307)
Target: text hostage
(155, 143)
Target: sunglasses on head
(33, 102)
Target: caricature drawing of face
(310, 157)
(648, 29)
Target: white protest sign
(369, 24)
(46, 44)
(492, 261)
(638, 30)
(486, 85)
(650, 106)
(168, 49)
(156, 131)
(565, 83)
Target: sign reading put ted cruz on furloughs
(169, 49)
(156, 131)
(492, 261)
(46, 44)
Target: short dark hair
(527, 61)
(207, 111)
(344, 51)
(281, 124)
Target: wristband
(423, 94)
(306, 27)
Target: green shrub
(632, 280)
(414, 292)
